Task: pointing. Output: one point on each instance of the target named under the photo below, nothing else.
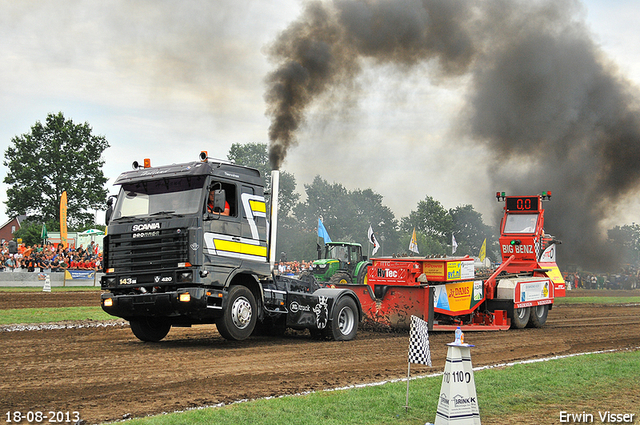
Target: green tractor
(340, 263)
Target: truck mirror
(219, 200)
(109, 212)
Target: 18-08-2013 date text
(42, 417)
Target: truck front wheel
(149, 329)
(344, 320)
(240, 316)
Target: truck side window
(229, 191)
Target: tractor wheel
(519, 317)
(240, 316)
(344, 320)
(538, 316)
(341, 278)
(361, 279)
(149, 329)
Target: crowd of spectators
(44, 258)
(293, 268)
(627, 278)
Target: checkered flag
(419, 351)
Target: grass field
(597, 300)
(48, 315)
(533, 393)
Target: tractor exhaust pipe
(273, 225)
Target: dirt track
(105, 373)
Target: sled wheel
(240, 315)
(538, 316)
(344, 320)
(149, 329)
(519, 317)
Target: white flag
(413, 245)
(419, 351)
(373, 240)
(454, 244)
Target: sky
(166, 79)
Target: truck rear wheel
(149, 329)
(240, 316)
(519, 317)
(538, 316)
(344, 320)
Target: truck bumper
(186, 305)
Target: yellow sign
(453, 270)
(63, 219)
(433, 269)
(554, 274)
(459, 295)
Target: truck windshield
(521, 223)
(182, 195)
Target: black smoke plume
(555, 114)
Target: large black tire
(361, 279)
(149, 329)
(344, 320)
(341, 278)
(538, 316)
(519, 317)
(240, 316)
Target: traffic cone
(47, 284)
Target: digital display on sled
(523, 203)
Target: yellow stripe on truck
(241, 248)
(258, 206)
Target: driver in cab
(210, 204)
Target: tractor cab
(340, 262)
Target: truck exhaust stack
(273, 229)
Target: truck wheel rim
(241, 313)
(346, 321)
(521, 312)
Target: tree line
(60, 155)
(347, 215)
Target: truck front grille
(158, 250)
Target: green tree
(30, 232)
(56, 156)
(626, 241)
(470, 231)
(432, 220)
(347, 215)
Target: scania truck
(188, 244)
